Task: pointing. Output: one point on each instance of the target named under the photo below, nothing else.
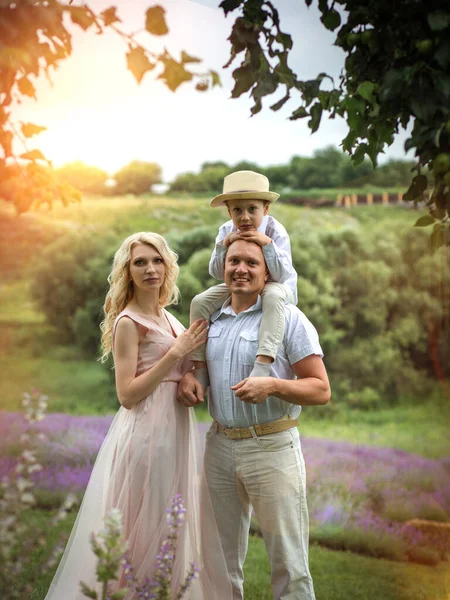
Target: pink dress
(150, 453)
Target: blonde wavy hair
(121, 286)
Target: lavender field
(361, 498)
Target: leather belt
(241, 433)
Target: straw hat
(245, 185)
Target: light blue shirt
(277, 255)
(230, 355)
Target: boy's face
(247, 215)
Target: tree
(87, 179)
(137, 177)
(397, 72)
(34, 40)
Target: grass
(336, 575)
(344, 576)
(417, 428)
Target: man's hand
(255, 236)
(190, 391)
(253, 390)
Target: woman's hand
(191, 339)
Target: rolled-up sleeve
(301, 338)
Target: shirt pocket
(214, 342)
(248, 346)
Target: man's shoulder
(296, 317)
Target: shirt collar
(227, 310)
(261, 228)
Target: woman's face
(147, 268)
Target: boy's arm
(278, 254)
(216, 264)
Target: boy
(247, 197)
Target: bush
(198, 265)
(87, 179)
(187, 244)
(69, 284)
(137, 177)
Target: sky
(97, 113)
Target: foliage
(397, 72)
(36, 38)
(87, 179)
(188, 243)
(327, 168)
(111, 550)
(69, 284)
(16, 497)
(137, 177)
(31, 185)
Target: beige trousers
(268, 474)
(273, 323)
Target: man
(253, 455)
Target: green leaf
(120, 594)
(412, 193)
(155, 22)
(215, 78)
(442, 54)
(230, 5)
(316, 115)
(29, 129)
(87, 591)
(138, 63)
(365, 89)
(349, 141)
(424, 221)
(421, 182)
(33, 155)
(331, 19)
(284, 39)
(82, 16)
(109, 16)
(244, 79)
(256, 108)
(186, 58)
(437, 239)
(438, 20)
(359, 154)
(299, 113)
(281, 102)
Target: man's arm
(311, 388)
(190, 391)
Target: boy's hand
(230, 238)
(255, 236)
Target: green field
(336, 575)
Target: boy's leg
(202, 307)
(273, 323)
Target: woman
(152, 450)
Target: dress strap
(133, 316)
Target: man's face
(245, 269)
(247, 215)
